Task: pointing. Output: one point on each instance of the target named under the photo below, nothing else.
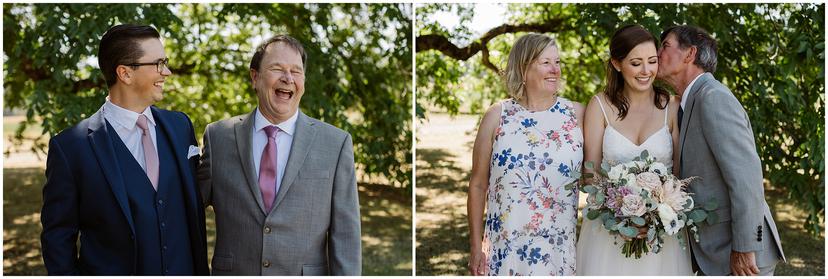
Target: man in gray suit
(716, 144)
(282, 184)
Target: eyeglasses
(159, 65)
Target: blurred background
(358, 79)
(771, 56)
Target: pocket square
(194, 150)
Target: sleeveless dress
(599, 253)
(530, 218)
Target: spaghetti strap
(666, 110)
(601, 105)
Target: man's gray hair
(706, 49)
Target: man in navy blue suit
(123, 179)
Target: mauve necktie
(267, 168)
(150, 156)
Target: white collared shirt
(284, 139)
(124, 122)
(685, 96)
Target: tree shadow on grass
(805, 253)
(442, 244)
(386, 226)
(386, 230)
(438, 170)
(22, 200)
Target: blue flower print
(529, 122)
(493, 222)
(522, 252)
(501, 158)
(564, 169)
(534, 256)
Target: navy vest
(161, 232)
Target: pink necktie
(267, 168)
(150, 156)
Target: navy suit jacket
(85, 194)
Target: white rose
(631, 183)
(658, 168)
(616, 173)
(633, 205)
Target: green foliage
(770, 55)
(358, 72)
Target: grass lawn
(386, 226)
(444, 163)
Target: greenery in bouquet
(641, 196)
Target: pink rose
(648, 180)
(633, 205)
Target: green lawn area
(386, 226)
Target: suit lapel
(101, 144)
(244, 141)
(688, 111)
(179, 151)
(302, 141)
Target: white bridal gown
(598, 252)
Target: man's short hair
(706, 49)
(288, 40)
(120, 45)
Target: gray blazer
(313, 227)
(717, 145)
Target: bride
(628, 117)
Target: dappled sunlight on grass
(386, 226)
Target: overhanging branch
(446, 47)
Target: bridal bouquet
(643, 194)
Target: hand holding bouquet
(643, 193)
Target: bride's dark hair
(623, 41)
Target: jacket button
(759, 239)
(267, 229)
(266, 263)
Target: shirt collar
(124, 117)
(686, 94)
(287, 126)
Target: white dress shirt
(284, 139)
(124, 122)
(685, 96)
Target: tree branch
(443, 45)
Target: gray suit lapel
(244, 142)
(688, 110)
(302, 141)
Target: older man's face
(279, 82)
(670, 58)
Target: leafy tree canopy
(358, 73)
(770, 55)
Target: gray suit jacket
(314, 225)
(717, 145)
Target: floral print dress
(530, 217)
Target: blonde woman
(527, 148)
